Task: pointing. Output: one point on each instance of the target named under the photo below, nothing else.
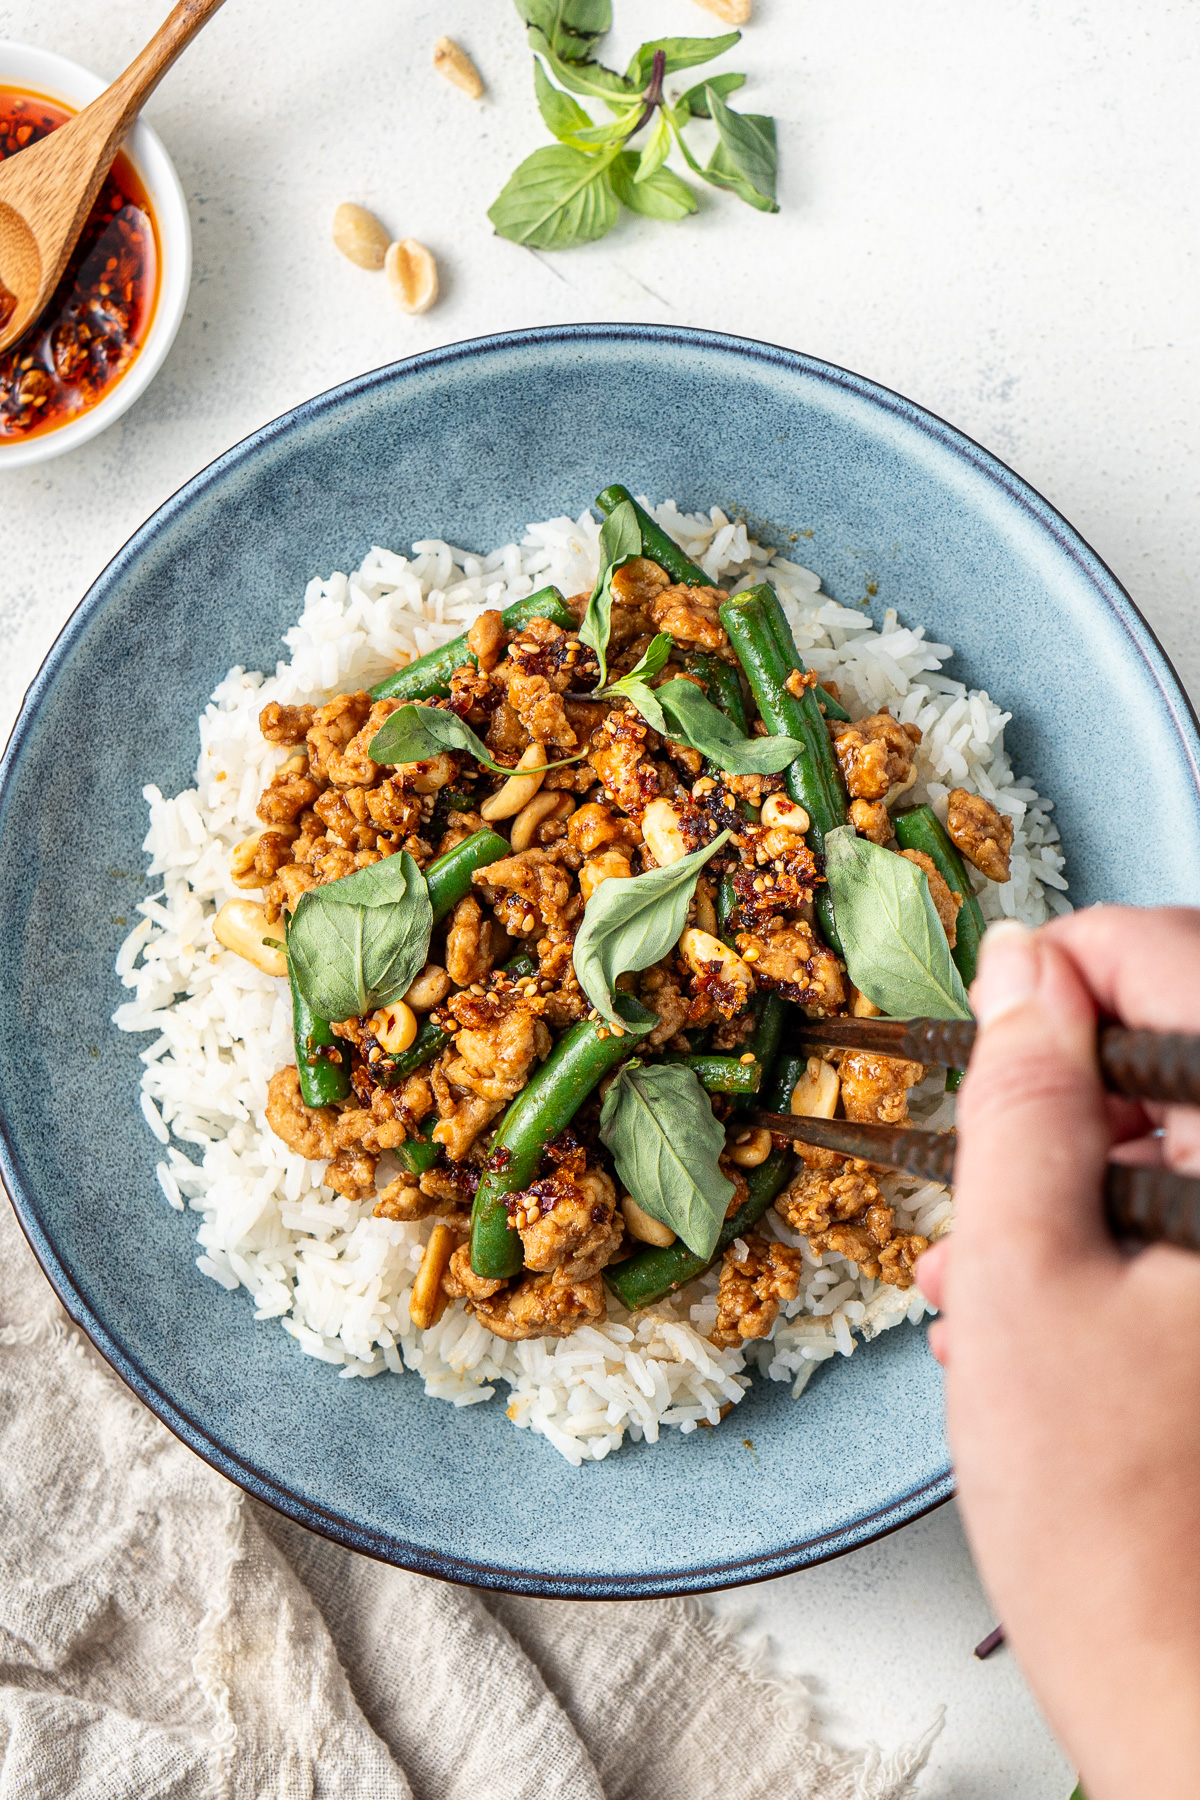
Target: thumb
(1033, 1134)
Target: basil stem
(758, 632)
(429, 677)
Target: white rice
(334, 1276)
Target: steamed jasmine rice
(338, 1279)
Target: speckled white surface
(991, 209)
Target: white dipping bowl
(57, 78)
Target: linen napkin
(162, 1635)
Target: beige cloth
(163, 1636)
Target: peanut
(750, 1147)
(519, 789)
(359, 235)
(452, 61)
(426, 1302)
(413, 275)
(395, 1027)
(660, 828)
(601, 867)
(780, 811)
(429, 989)
(700, 949)
(241, 927)
(242, 872)
(643, 1227)
(535, 812)
(731, 12)
(815, 1095)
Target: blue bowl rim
(385, 1547)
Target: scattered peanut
(535, 812)
(395, 1026)
(660, 828)
(732, 12)
(815, 1095)
(643, 1227)
(860, 1006)
(359, 235)
(780, 811)
(241, 927)
(519, 789)
(426, 1302)
(750, 1147)
(700, 949)
(413, 275)
(452, 61)
(429, 989)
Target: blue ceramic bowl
(471, 442)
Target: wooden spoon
(47, 190)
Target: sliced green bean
(429, 677)
(763, 1042)
(655, 543)
(429, 1042)
(758, 632)
(322, 1060)
(416, 1154)
(719, 1074)
(521, 966)
(724, 687)
(651, 1274)
(543, 1108)
(919, 828)
(448, 878)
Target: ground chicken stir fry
(499, 988)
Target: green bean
(790, 1069)
(919, 828)
(726, 907)
(416, 1154)
(651, 1274)
(722, 1074)
(322, 1060)
(655, 543)
(520, 966)
(543, 1108)
(448, 878)
(753, 621)
(429, 1042)
(833, 709)
(723, 686)
(763, 1042)
(429, 676)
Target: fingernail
(1008, 970)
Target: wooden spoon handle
(119, 105)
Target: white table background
(988, 207)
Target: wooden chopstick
(1147, 1065)
(1148, 1205)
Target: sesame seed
(747, 1059)
(602, 1033)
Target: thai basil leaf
(661, 196)
(614, 132)
(563, 116)
(654, 155)
(416, 733)
(644, 699)
(620, 542)
(631, 923)
(693, 720)
(581, 75)
(695, 103)
(681, 53)
(571, 26)
(658, 1123)
(895, 947)
(557, 198)
(359, 943)
(745, 160)
(652, 662)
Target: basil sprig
(359, 943)
(572, 192)
(620, 542)
(894, 943)
(694, 720)
(630, 923)
(416, 733)
(658, 1122)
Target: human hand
(1072, 1368)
